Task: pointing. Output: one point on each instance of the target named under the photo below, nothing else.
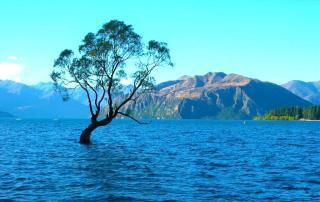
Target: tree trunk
(86, 134)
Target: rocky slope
(214, 96)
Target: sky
(272, 40)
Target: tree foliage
(293, 113)
(104, 59)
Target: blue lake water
(166, 160)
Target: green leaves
(64, 58)
(159, 51)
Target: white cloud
(10, 71)
(12, 57)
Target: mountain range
(25, 101)
(213, 96)
(5, 115)
(307, 90)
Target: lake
(186, 160)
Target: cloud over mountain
(11, 70)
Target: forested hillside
(293, 113)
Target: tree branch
(95, 94)
(102, 96)
(87, 92)
(110, 84)
(131, 117)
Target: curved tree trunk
(86, 134)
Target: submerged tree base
(86, 135)
(85, 139)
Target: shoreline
(309, 120)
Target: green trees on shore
(292, 113)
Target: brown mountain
(214, 96)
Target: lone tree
(104, 60)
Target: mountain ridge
(26, 101)
(6, 115)
(307, 90)
(214, 95)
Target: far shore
(307, 120)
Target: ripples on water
(166, 160)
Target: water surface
(165, 160)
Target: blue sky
(272, 40)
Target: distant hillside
(5, 115)
(48, 90)
(214, 96)
(307, 90)
(33, 102)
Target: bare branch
(95, 94)
(89, 99)
(87, 92)
(131, 117)
(102, 96)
